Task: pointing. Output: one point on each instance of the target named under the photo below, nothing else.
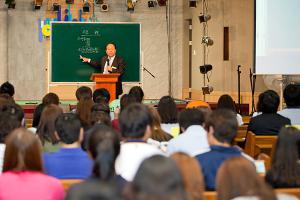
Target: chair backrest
(67, 183)
(291, 191)
(267, 160)
(241, 134)
(254, 143)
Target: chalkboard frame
(50, 78)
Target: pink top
(30, 185)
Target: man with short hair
(135, 122)
(193, 139)
(222, 127)
(291, 95)
(70, 162)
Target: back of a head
(237, 177)
(84, 109)
(137, 92)
(23, 152)
(101, 95)
(46, 127)
(126, 100)
(104, 147)
(84, 92)
(94, 190)
(226, 101)
(158, 177)
(192, 175)
(11, 117)
(285, 161)
(134, 121)
(268, 102)
(50, 98)
(189, 117)
(291, 95)
(224, 123)
(7, 88)
(100, 114)
(68, 126)
(167, 110)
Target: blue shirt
(212, 160)
(68, 163)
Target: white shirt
(193, 141)
(132, 154)
(111, 60)
(292, 113)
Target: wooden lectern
(107, 81)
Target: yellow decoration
(46, 30)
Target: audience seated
(50, 98)
(125, 101)
(23, 176)
(193, 139)
(101, 95)
(191, 173)
(135, 124)
(7, 88)
(84, 106)
(285, 168)
(70, 162)
(291, 96)
(237, 177)
(158, 177)
(157, 133)
(46, 128)
(269, 122)
(11, 117)
(103, 147)
(138, 93)
(221, 126)
(168, 113)
(226, 101)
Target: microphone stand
(252, 84)
(145, 69)
(239, 88)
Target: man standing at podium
(110, 63)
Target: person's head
(101, 95)
(221, 126)
(50, 98)
(192, 175)
(226, 101)
(135, 122)
(84, 109)
(285, 161)
(84, 92)
(6, 99)
(23, 152)
(104, 147)
(100, 114)
(189, 117)
(167, 110)
(126, 100)
(94, 189)
(111, 49)
(7, 88)
(11, 117)
(46, 127)
(268, 102)
(157, 133)
(291, 95)
(137, 92)
(158, 177)
(238, 177)
(68, 128)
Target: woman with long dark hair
(285, 168)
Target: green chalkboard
(69, 40)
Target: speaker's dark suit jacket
(120, 68)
